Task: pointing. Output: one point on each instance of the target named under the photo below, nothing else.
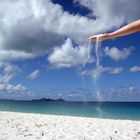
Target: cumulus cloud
(32, 28)
(34, 75)
(8, 73)
(68, 56)
(95, 72)
(118, 54)
(135, 69)
(113, 12)
(37, 27)
(12, 88)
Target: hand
(101, 37)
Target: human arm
(126, 30)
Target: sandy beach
(26, 126)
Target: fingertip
(89, 38)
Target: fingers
(92, 38)
(100, 37)
(95, 37)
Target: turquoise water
(123, 110)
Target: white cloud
(12, 88)
(135, 69)
(118, 54)
(68, 56)
(34, 75)
(95, 72)
(117, 93)
(39, 26)
(49, 27)
(115, 70)
(8, 73)
(131, 88)
(113, 12)
(11, 54)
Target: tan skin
(126, 30)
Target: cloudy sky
(44, 50)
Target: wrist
(106, 36)
(109, 35)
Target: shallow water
(110, 110)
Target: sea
(106, 110)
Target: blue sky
(44, 50)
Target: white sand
(23, 126)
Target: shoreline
(30, 126)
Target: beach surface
(28, 126)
